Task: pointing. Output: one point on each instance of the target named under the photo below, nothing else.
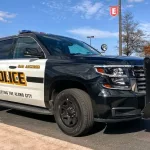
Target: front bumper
(118, 106)
(117, 120)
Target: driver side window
(24, 43)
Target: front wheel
(73, 112)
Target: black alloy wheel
(73, 112)
(68, 110)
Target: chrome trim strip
(114, 120)
(118, 108)
(120, 89)
(112, 76)
(113, 66)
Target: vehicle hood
(111, 60)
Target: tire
(73, 112)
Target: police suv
(55, 75)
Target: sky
(73, 18)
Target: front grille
(140, 79)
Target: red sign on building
(114, 10)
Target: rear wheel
(73, 112)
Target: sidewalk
(13, 138)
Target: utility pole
(120, 28)
(90, 38)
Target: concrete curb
(13, 138)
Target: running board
(27, 108)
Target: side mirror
(104, 47)
(33, 52)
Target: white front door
(27, 81)
(26, 73)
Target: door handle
(12, 67)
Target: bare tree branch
(132, 36)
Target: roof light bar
(25, 31)
(29, 31)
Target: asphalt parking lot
(133, 135)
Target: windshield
(58, 45)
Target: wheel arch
(61, 83)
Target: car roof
(35, 34)
(8, 37)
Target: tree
(132, 36)
(146, 50)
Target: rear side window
(6, 49)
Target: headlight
(118, 71)
(117, 76)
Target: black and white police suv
(67, 78)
